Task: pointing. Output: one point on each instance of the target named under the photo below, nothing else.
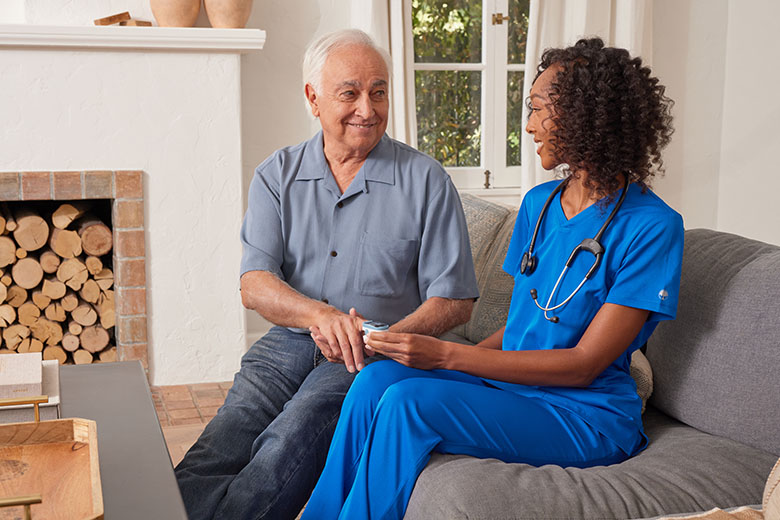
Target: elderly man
(348, 226)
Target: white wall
(689, 58)
(715, 57)
(750, 139)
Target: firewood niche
(56, 280)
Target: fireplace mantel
(185, 39)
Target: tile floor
(184, 410)
(188, 404)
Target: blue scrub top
(640, 268)
(396, 236)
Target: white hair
(318, 51)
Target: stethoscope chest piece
(528, 263)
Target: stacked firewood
(56, 293)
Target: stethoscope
(591, 245)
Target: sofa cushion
(716, 366)
(682, 470)
(490, 227)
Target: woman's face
(540, 123)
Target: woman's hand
(412, 350)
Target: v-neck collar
(591, 212)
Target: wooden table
(135, 468)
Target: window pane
(514, 117)
(448, 124)
(447, 31)
(518, 31)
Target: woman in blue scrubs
(553, 386)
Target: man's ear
(311, 95)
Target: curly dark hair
(611, 115)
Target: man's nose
(365, 107)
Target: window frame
(494, 71)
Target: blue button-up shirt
(396, 237)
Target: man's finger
(333, 344)
(356, 341)
(346, 350)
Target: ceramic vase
(175, 13)
(228, 14)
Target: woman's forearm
(606, 338)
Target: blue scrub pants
(394, 416)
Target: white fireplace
(167, 102)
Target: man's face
(352, 103)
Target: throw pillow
(643, 376)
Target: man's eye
(379, 93)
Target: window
(469, 63)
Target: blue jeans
(260, 457)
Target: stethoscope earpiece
(591, 245)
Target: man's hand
(339, 337)
(412, 350)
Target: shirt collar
(376, 168)
(315, 165)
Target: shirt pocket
(384, 264)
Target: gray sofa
(712, 418)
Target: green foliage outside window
(514, 116)
(518, 31)
(447, 31)
(448, 116)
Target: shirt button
(340, 204)
(324, 300)
(333, 253)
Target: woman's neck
(577, 196)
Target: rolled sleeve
(261, 231)
(445, 267)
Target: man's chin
(364, 142)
